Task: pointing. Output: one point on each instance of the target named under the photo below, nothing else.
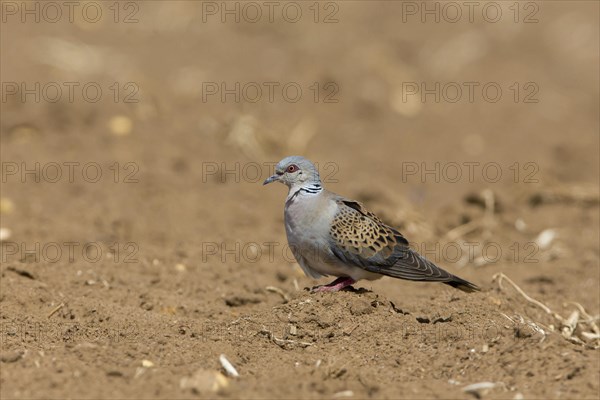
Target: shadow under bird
(332, 235)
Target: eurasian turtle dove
(332, 235)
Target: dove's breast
(307, 224)
(308, 216)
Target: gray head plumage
(295, 171)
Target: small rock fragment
(237, 301)
(204, 380)
(11, 356)
(6, 205)
(545, 238)
(5, 234)
(344, 393)
(228, 367)
(120, 125)
(360, 307)
(481, 388)
(520, 225)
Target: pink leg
(336, 285)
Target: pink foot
(336, 285)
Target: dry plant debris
(568, 325)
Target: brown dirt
(171, 292)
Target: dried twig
(500, 276)
(56, 309)
(277, 290)
(282, 342)
(589, 319)
(568, 325)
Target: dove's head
(295, 171)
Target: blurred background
(147, 128)
(172, 88)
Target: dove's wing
(361, 239)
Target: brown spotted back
(361, 232)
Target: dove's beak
(270, 179)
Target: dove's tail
(463, 285)
(406, 263)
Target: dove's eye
(292, 168)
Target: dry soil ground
(138, 244)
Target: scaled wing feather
(361, 239)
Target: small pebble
(205, 381)
(11, 356)
(120, 125)
(520, 225)
(344, 393)
(5, 234)
(545, 238)
(6, 205)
